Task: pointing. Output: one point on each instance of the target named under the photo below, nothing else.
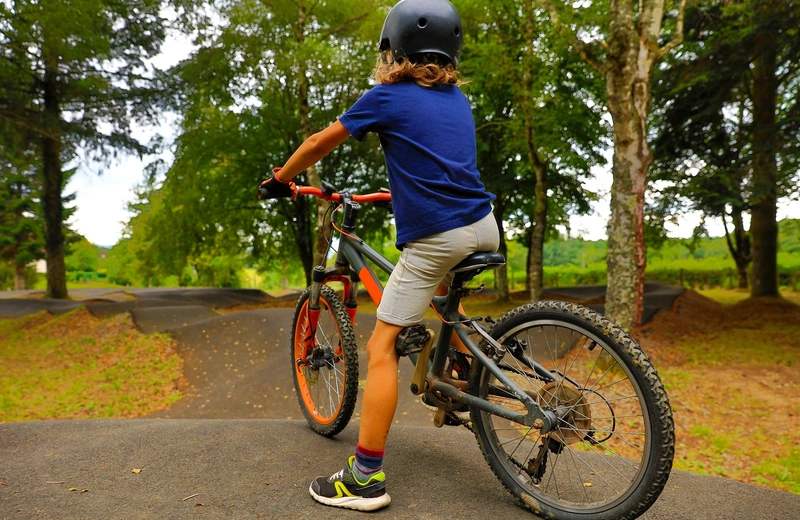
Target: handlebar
(330, 193)
(381, 196)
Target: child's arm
(312, 150)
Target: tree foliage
(75, 75)
(727, 140)
(538, 118)
(83, 256)
(242, 111)
(20, 228)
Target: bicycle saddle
(476, 263)
(480, 260)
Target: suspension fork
(313, 311)
(320, 277)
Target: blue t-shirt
(428, 139)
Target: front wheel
(325, 363)
(611, 452)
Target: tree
(732, 119)
(20, 228)
(245, 106)
(624, 52)
(83, 256)
(538, 122)
(76, 74)
(702, 152)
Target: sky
(103, 192)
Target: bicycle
(568, 411)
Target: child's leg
(380, 393)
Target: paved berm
(236, 445)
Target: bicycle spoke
(590, 461)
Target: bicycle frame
(351, 267)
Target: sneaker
(343, 490)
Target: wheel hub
(575, 414)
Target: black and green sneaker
(343, 490)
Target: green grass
(78, 366)
(781, 472)
(734, 296)
(41, 285)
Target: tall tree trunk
(536, 245)
(627, 88)
(52, 183)
(501, 275)
(306, 130)
(528, 263)
(738, 246)
(19, 277)
(631, 50)
(536, 258)
(763, 223)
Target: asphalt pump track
(236, 445)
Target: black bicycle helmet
(417, 27)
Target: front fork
(320, 277)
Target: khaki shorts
(425, 263)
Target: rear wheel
(611, 453)
(325, 364)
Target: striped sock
(367, 463)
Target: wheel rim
(321, 390)
(588, 474)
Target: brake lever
(385, 204)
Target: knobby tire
(613, 451)
(327, 395)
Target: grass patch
(79, 366)
(781, 473)
(731, 376)
(734, 296)
(770, 345)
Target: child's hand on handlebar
(275, 188)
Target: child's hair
(425, 70)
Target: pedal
(419, 382)
(439, 418)
(411, 340)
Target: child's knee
(380, 347)
(380, 350)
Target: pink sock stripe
(378, 454)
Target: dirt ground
(737, 412)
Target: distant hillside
(585, 253)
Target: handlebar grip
(262, 193)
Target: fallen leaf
(73, 489)
(84, 490)
(587, 484)
(136, 470)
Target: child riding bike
(442, 210)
